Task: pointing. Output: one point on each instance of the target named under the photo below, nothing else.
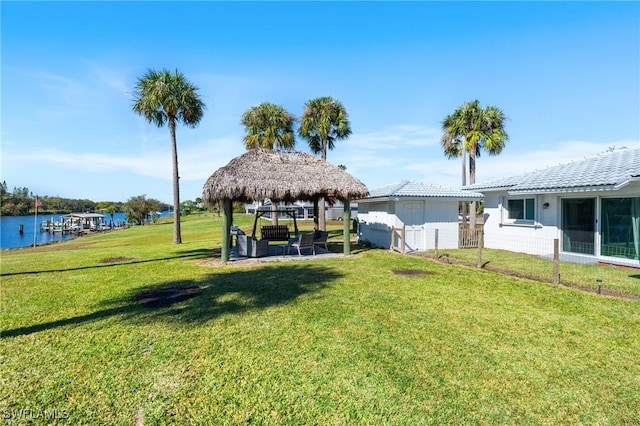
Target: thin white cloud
(58, 97)
(395, 137)
(194, 162)
(59, 87)
(111, 78)
(377, 164)
(514, 163)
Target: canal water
(11, 237)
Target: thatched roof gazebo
(260, 173)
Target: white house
(592, 206)
(415, 210)
(304, 209)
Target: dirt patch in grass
(116, 259)
(411, 272)
(167, 296)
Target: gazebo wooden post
(346, 216)
(227, 218)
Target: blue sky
(567, 75)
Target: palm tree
(454, 127)
(472, 129)
(324, 121)
(165, 97)
(269, 126)
(111, 209)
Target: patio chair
(303, 241)
(320, 239)
(251, 247)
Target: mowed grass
(622, 281)
(373, 338)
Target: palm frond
(324, 121)
(160, 96)
(268, 126)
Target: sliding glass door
(579, 225)
(620, 227)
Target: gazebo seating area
(320, 239)
(303, 241)
(278, 175)
(275, 232)
(249, 246)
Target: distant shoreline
(42, 213)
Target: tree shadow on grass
(188, 301)
(186, 254)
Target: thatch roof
(280, 176)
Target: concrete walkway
(278, 253)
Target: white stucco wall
(375, 220)
(419, 217)
(537, 238)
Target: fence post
(480, 245)
(393, 234)
(556, 261)
(436, 243)
(402, 239)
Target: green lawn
(624, 282)
(123, 326)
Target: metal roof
(85, 215)
(411, 189)
(605, 172)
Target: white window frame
(525, 220)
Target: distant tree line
(138, 209)
(21, 202)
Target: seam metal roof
(411, 189)
(605, 172)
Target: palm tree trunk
(472, 180)
(463, 209)
(177, 235)
(322, 223)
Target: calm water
(10, 236)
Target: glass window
(521, 209)
(529, 208)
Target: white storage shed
(405, 216)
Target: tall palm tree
(269, 126)
(472, 129)
(324, 121)
(455, 127)
(165, 97)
